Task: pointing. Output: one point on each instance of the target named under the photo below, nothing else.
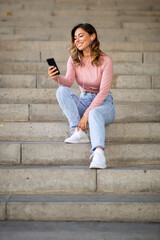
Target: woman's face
(82, 39)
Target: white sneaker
(99, 160)
(78, 137)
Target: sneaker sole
(96, 167)
(81, 141)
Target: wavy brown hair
(77, 55)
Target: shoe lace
(72, 131)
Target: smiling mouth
(79, 45)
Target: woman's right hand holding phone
(52, 73)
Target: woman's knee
(61, 91)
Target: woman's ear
(93, 36)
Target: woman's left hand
(83, 123)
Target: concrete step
(70, 2)
(151, 57)
(111, 38)
(110, 5)
(57, 132)
(79, 179)
(156, 81)
(43, 81)
(52, 112)
(26, 56)
(95, 207)
(48, 96)
(67, 21)
(14, 112)
(42, 68)
(84, 5)
(99, 13)
(135, 57)
(119, 81)
(10, 11)
(33, 21)
(22, 5)
(18, 56)
(65, 31)
(69, 154)
(63, 46)
(127, 22)
(6, 30)
(30, 56)
(56, 34)
(135, 25)
(26, 37)
(78, 230)
(20, 81)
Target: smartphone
(51, 62)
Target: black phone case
(51, 62)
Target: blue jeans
(74, 106)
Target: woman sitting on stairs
(93, 70)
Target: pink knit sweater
(90, 79)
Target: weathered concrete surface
(152, 57)
(68, 154)
(156, 81)
(58, 131)
(63, 45)
(17, 56)
(146, 25)
(119, 81)
(116, 56)
(78, 230)
(133, 132)
(124, 113)
(3, 200)
(42, 68)
(48, 96)
(129, 180)
(17, 81)
(14, 112)
(110, 18)
(9, 153)
(56, 154)
(86, 5)
(134, 81)
(43, 81)
(27, 96)
(101, 207)
(47, 179)
(31, 132)
(79, 179)
(6, 30)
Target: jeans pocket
(109, 98)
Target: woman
(93, 72)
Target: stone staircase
(41, 177)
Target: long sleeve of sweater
(70, 75)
